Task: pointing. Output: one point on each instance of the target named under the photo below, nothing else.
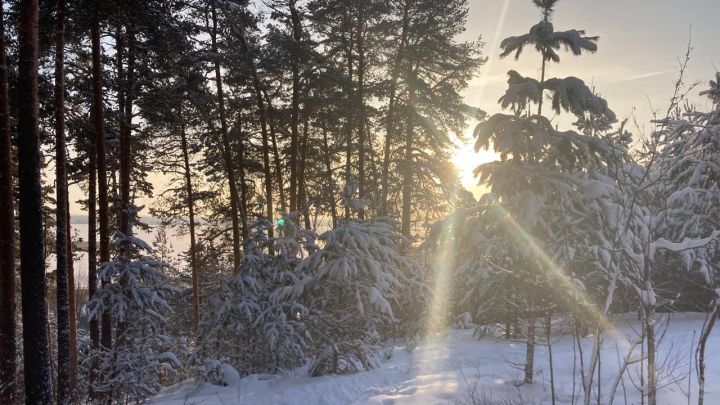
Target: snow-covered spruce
(248, 323)
(352, 288)
(136, 296)
(293, 300)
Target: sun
(466, 160)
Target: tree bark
(72, 309)
(38, 386)
(349, 118)
(126, 138)
(390, 121)
(262, 112)
(276, 154)
(99, 133)
(94, 323)
(8, 345)
(360, 95)
(408, 164)
(548, 337)
(702, 343)
(61, 240)
(530, 351)
(191, 219)
(301, 173)
(329, 174)
(295, 106)
(227, 151)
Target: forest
(304, 155)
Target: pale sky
(641, 43)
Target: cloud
(644, 75)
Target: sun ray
(566, 282)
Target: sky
(635, 68)
(641, 44)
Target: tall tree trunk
(707, 328)
(301, 173)
(276, 154)
(530, 351)
(126, 138)
(227, 151)
(651, 347)
(360, 95)
(122, 84)
(295, 107)
(191, 219)
(62, 237)
(408, 163)
(38, 386)
(125, 94)
(390, 121)
(99, 133)
(262, 112)
(548, 339)
(72, 309)
(8, 346)
(329, 174)
(94, 323)
(350, 115)
(243, 200)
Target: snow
(453, 365)
(686, 244)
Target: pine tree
(237, 212)
(64, 378)
(38, 383)
(8, 346)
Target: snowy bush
(248, 322)
(136, 297)
(293, 300)
(352, 288)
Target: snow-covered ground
(450, 367)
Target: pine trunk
(390, 121)
(330, 179)
(295, 108)
(94, 323)
(38, 386)
(301, 173)
(276, 154)
(191, 219)
(262, 113)
(8, 346)
(72, 309)
(61, 239)
(227, 152)
(350, 115)
(361, 105)
(102, 188)
(408, 166)
(126, 95)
